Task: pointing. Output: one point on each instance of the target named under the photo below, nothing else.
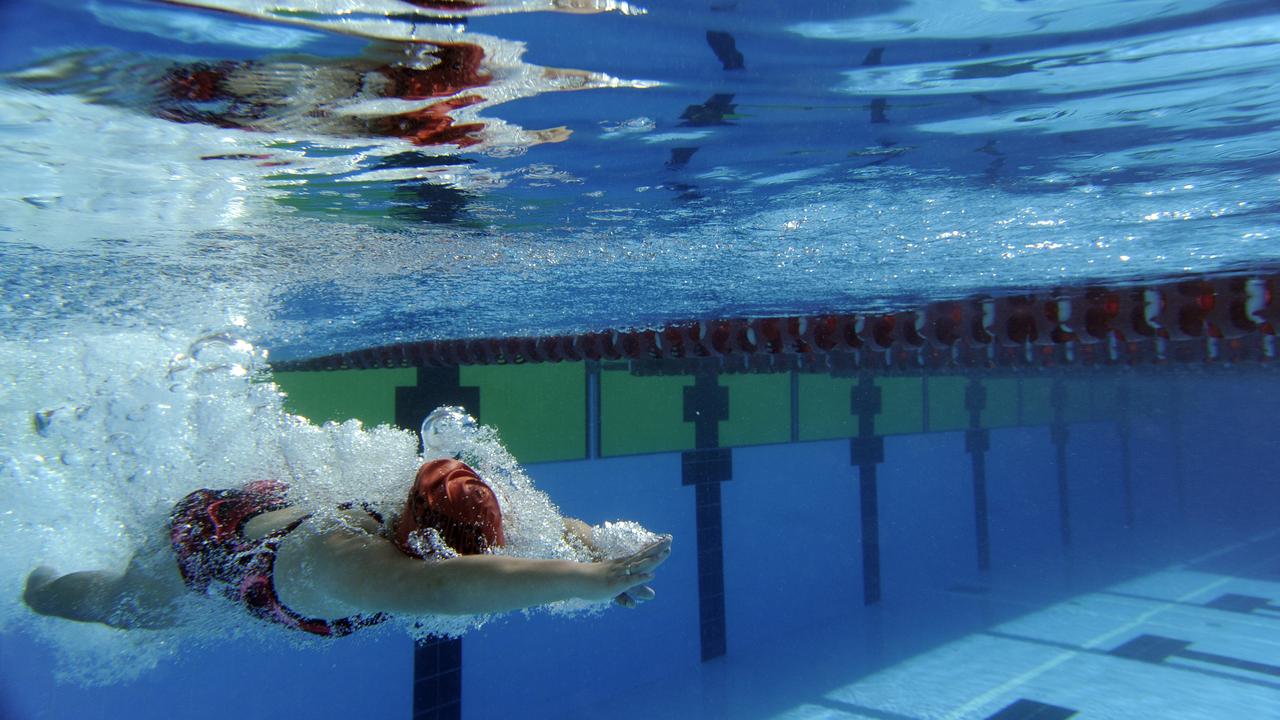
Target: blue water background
(797, 626)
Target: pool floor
(1199, 639)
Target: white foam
(103, 433)
(532, 523)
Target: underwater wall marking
(591, 433)
(1058, 433)
(866, 451)
(437, 661)
(1123, 430)
(1024, 709)
(437, 679)
(706, 405)
(977, 440)
(432, 388)
(574, 410)
(1174, 414)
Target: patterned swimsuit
(207, 532)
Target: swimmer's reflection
(438, 553)
(433, 98)
(330, 14)
(430, 95)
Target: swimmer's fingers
(649, 557)
(635, 596)
(634, 570)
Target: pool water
(212, 209)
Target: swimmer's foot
(36, 581)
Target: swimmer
(332, 578)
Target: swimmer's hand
(624, 578)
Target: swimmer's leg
(128, 600)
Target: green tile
(1002, 403)
(946, 404)
(759, 409)
(1079, 396)
(1148, 398)
(825, 407)
(1104, 396)
(366, 395)
(902, 406)
(538, 409)
(1037, 396)
(643, 414)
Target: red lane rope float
(1188, 320)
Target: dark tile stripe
(437, 679)
(867, 451)
(436, 387)
(1150, 648)
(437, 662)
(1226, 661)
(1032, 710)
(1058, 433)
(859, 710)
(1239, 603)
(1123, 430)
(1157, 649)
(593, 408)
(1246, 604)
(977, 440)
(706, 403)
(795, 405)
(710, 544)
(870, 511)
(1229, 677)
(699, 467)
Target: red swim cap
(448, 495)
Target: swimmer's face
(450, 497)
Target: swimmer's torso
(297, 555)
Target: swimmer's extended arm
(369, 573)
(578, 533)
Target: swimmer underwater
(331, 578)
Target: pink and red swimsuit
(207, 532)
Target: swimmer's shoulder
(318, 564)
(356, 519)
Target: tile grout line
(1066, 655)
(1048, 665)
